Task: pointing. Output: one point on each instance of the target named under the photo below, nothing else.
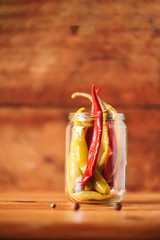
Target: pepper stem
(80, 94)
(80, 110)
(105, 107)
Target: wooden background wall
(50, 49)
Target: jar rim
(91, 116)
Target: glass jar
(107, 184)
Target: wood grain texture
(40, 52)
(28, 215)
(32, 153)
(50, 49)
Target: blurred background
(50, 49)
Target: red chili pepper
(92, 107)
(88, 135)
(112, 151)
(96, 139)
(89, 130)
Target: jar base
(116, 196)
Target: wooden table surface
(28, 215)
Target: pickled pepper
(112, 151)
(96, 139)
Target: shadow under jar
(107, 184)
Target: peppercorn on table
(29, 215)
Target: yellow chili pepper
(99, 183)
(78, 143)
(78, 154)
(72, 173)
(105, 145)
(89, 195)
(110, 109)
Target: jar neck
(86, 116)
